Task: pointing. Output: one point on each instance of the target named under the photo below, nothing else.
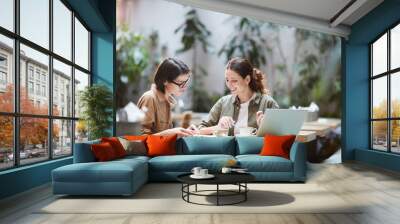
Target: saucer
(208, 176)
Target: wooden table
(321, 127)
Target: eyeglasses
(182, 84)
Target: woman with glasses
(245, 105)
(171, 79)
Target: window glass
(395, 95)
(395, 47)
(81, 81)
(81, 45)
(34, 21)
(395, 136)
(6, 142)
(39, 62)
(379, 135)
(62, 91)
(379, 100)
(62, 138)
(62, 29)
(7, 14)
(6, 74)
(33, 140)
(379, 56)
(81, 131)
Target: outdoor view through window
(385, 82)
(37, 115)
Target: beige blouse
(157, 109)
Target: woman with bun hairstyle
(171, 79)
(245, 105)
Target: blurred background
(302, 67)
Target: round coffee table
(238, 179)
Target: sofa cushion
(132, 158)
(277, 145)
(135, 137)
(116, 145)
(160, 145)
(249, 145)
(257, 163)
(134, 147)
(111, 171)
(206, 145)
(103, 152)
(185, 163)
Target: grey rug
(166, 198)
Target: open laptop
(282, 122)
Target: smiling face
(235, 83)
(178, 86)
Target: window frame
(16, 114)
(388, 74)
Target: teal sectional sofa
(125, 176)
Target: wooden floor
(377, 188)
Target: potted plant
(96, 103)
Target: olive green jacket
(229, 106)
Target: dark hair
(244, 68)
(168, 70)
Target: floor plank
(377, 190)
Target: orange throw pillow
(275, 145)
(103, 151)
(116, 145)
(161, 145)
(135, 137)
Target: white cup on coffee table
(203, 172)
(226, 170)
(196, 171)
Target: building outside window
(3, 61)
(43, 90)
(35, 53)
(30, 72)
(43, 78)
(30, 87)
(3, 71)
(3, 78)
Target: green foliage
(246, 42)
(132, 58)
(96, 103)
(194, 32)
(313, 85)
(204, 100)
(132, 54)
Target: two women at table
(242, 108)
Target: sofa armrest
(298, 155)
(83, 152)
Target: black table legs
(220, 193)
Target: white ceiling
(317, 15)
(321, 9)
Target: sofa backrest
(190, 146)
(249, 145)
(206, 145)
(83, 152)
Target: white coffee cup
(246, 131)
(226, 170)
(196, 170)
(203, 172)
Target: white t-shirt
(243, 116)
